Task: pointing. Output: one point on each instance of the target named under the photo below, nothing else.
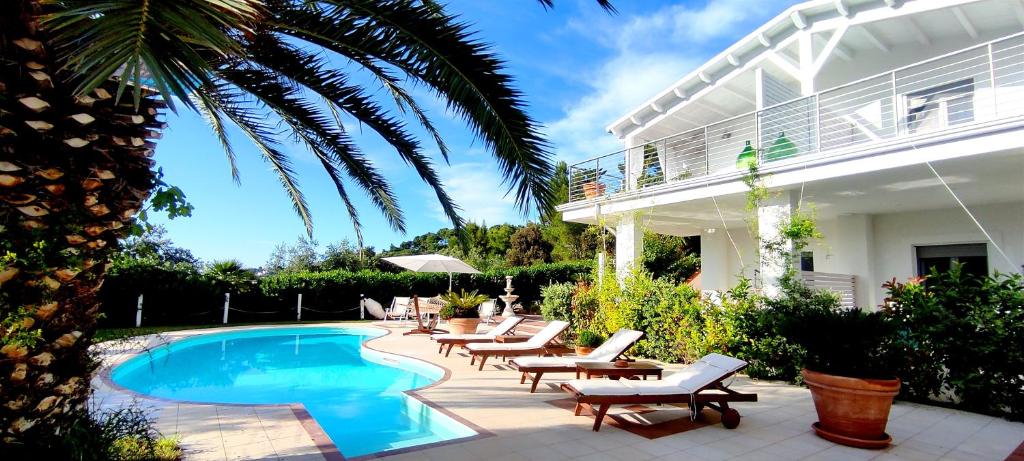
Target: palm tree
(82, 87)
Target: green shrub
(587, 338)
(557, 301)
(180, 295)
(123, 434)
(961, 335)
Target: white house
(902, 122)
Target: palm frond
(434, 49)
(310, 71)
(606, 4)
(213, 118)
(223, 100)
(309, 125)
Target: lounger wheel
(731, 418)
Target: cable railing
(982, 83)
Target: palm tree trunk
(74, 171)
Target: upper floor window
(940, 106)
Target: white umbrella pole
(449, 281)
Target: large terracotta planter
(463, 326)
(593, 189)
(583, 350)
(852, 411)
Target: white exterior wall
(896, 235)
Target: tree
(527, 247)
(498, 238)
(671, 257)
(231, 275)
(566, 237)
(344, 255)
(153, 244)
(83, 83)
(303, 256)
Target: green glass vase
(747, 157)
(781, 148)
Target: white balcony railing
(978, 84)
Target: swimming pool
(355, 394)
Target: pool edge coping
(321, 440)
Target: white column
(714, 260)
(771, 216)
(853, 249)
(807, 71)
(629, 244)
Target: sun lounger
(451, 340)
(699, 385)
(538, 344)
(614, 347)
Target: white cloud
(477, 189)
(648, 53)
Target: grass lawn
(108, 334)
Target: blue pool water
(355, 394)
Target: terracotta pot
(852, 411)
(583, 350)
(593, 189)
(463, 326)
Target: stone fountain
(508, 298)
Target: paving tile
(526, 427)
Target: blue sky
(578, 67)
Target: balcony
(976, 85)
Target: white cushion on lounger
(625, 387)
(615, 345)
(708, 370)
(504, 327)
(544, 336)
(607, 352)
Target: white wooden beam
(842, 9)
(676, 116)
(877, 42)
(965, 22)
(892, 3)
(704, 77)
(830, 47)
(733, 60)
(680, 93)
(636, 121)
(844, 53)
(785, 64)
(799, 20)
(739, 95)
(765, 41)
(708, 107)
(657, 108)
(919, 34)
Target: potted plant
(591, 181)
(587, 341)
(460, 310)
(849, 366)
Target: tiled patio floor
(524, 426)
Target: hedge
(179, 295)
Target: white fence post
(298, 309)
(227, 304)
(362, 306)
(138, 313)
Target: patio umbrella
(433, 263)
